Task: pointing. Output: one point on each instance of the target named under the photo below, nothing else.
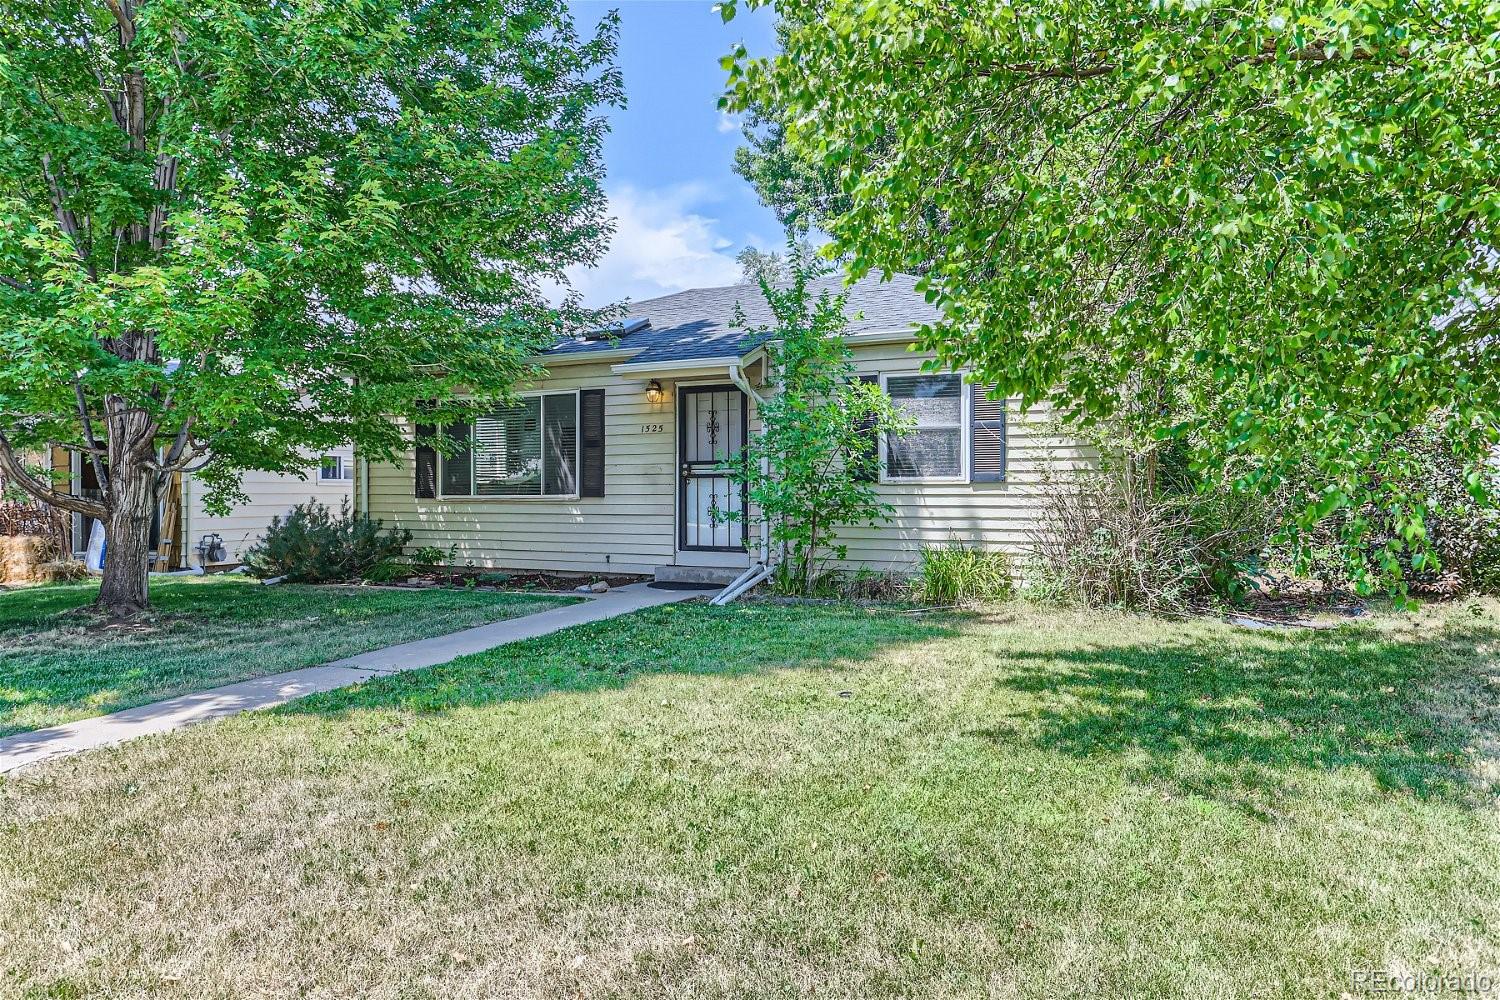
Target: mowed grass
(766, 801)
(57, 666)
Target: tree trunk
(127, 535)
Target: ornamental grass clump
(960, 574)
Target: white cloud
(728, 123)
(662, 244)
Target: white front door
(712, 426)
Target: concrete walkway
(25, 749)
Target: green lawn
(203, 631)
(766, 801)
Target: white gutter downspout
(762, 569)
(364, 488)
(742, 583)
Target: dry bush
(840, 585)
(870, 585)
(1112, 539)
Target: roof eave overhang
(584, 357)
(679, 366)
(898, 335)
(895, 335)
(621, 366)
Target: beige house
(612, 463)
(329, 481)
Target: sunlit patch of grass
(769, 801)
(59, 663)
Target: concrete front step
(719, 575)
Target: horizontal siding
(997, 516)
(270, 495)
(632, 529)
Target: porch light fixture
(653, 391)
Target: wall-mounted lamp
(653, 392)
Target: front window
(528, 449)
(934, 447)
(335, 468)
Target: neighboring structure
(611, 463)
(330, 482)
(33, 534)
(187, 530)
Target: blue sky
(681, 212)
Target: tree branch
(111, 96)
(81, 449)
(123, 19)
(169, 463)
(95, 448)
(188, 470)
(66, 220)
(16, 472)
(1269, 53)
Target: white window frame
(344, 465)
(965, 430)
(577, 456)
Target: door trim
(683, 391)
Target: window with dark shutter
(560, 443)
(528, 448)
(426, 464)
(865, 467)
(591, 442)
(932, 449)
(987, 449)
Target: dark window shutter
(457, 468)
(865, 468)
(425, 466)
(987, 449)
(591, 431)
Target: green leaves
(1265, 234)
(331, 212)
(805, 471)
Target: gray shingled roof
(696, 323)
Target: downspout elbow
(737, 376)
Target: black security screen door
(712, 425)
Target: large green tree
(1278, 219)
(237, 233)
